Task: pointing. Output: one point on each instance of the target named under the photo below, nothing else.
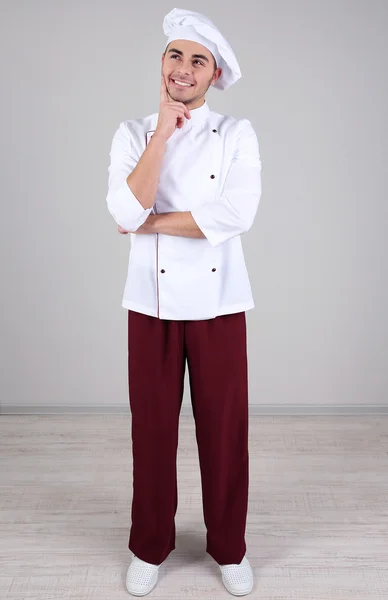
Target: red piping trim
(157, 246)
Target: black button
(162, 271)
(214, 130)
(214, 270)
(212, 176)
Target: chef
(186, 183)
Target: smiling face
(190, 63)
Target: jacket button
(214, 270)
(162, 271)
(214, 130)
(212, 176)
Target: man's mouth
(181, 84)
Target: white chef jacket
(212, 168)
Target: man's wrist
(158, 139)
(151, 223)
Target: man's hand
(145, 228)
(171, 113)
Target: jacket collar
(199, 115)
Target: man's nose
(187, 68)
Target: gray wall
(314, 86)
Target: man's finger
(164, 97)
(178, 106)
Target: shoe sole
(141, 593)
(237, 593)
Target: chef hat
(182, 24)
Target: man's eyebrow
(176, 51)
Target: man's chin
(185, 100)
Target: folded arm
(227, 214)
(173, 223)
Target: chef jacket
(212, 168)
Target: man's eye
(178, 56)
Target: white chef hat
(181, 24)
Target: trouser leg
(217, 361)
(156, 366)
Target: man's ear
(217, 73)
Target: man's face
(189, 62)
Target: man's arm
(143, 181)
(233, 210)
(179, 224)
(229, 214)
(131, 197)
(133, 181)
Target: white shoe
(238, 578)
(141, 577)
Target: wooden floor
(317, 526)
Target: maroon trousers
(216, 354)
